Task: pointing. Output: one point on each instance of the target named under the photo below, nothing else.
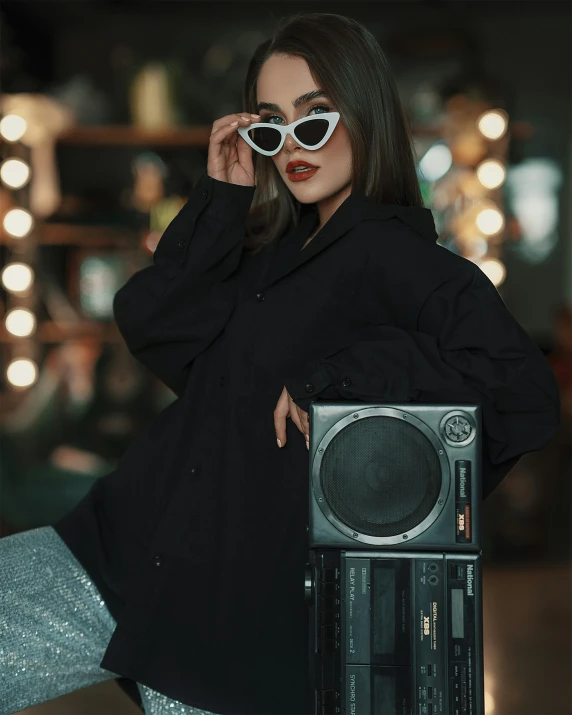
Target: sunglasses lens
(265, 138)
(312, 133)
(309, 133)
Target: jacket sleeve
(467, 348)
(170, 311)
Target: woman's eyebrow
(298, 102)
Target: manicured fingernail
(255, 115)
(306, 436)
(233, 124)
(307, 445)
(279, 442)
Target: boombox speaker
(394, 582)
(404, 475)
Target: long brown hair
(347, 62)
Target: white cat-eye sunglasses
(310, 132)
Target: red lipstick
(300, 175)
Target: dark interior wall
(524, 45)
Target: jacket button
(309, 387)
(195, 470)
(157, 560)
(346, 382)
(260, 297)
(181, 244)
(205, 194)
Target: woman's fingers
(229, 156)
(304, 421)
(300, 419)
(286, 407)
(280, 413)
(228, 118)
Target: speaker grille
(380, 476)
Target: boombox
(394, 577)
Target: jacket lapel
(356, 208)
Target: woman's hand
(230, 157)
(286, 407)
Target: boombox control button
(327, 574)
(346, 382)
(326, 589)
(327, 697)
(327, 647)
(458, 428)
(309, 387)
(326, 604)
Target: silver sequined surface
(156, 704)
(54, 626)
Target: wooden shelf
(50, 332)
(129, 135)
(86, 235)
(198, 135)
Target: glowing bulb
(22, 372)
(494, 270)
(15, 173)
(490, 221)
(491, 173)
(17, 277)
(13, 127)
(18, 222)
(493, 124)
(20, 322)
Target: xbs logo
(426, 626)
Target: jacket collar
(353, 210)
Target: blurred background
(106, 107)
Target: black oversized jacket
(197, 540)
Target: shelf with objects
(122, 135)
(72, 398)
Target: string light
(17, 277)
(18, 222)
(494, 269)
(20, 322)
(13, 127)
(491, 173)
(22, 372)
(493, 123)
(490, 221)
(15, 173)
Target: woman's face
(282, 79)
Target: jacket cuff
(315, 383)
(325, 381)
(228, 203)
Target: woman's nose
(290, 142)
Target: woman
(330, 285)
